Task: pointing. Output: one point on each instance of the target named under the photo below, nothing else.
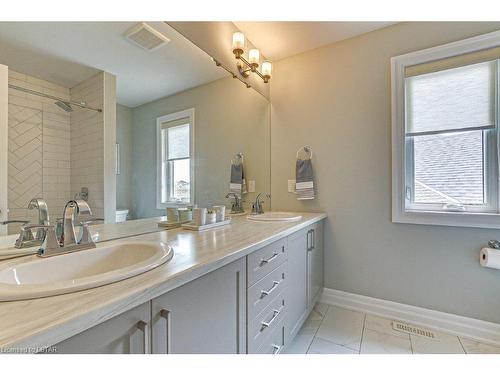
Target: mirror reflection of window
(175, 184)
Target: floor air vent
(407, 328)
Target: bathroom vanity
(244, 288)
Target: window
(444, 132)
(175, 179)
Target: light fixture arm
(252, 64)
(247, 67)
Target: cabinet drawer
(265, 322)
(263, 261)
(274, 343)
(263, 292)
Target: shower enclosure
(55, 145)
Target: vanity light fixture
(252, 64)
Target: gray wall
(229, 118)
(337, 99)
(124, 127)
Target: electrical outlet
(251, 186)
(291, 186)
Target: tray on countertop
(192, 226)
(166, 224)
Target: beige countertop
(47, 321)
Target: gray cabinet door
(207, 315)
(296, 300)
(315, 262)
(124, 334)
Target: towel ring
(239, 159)
(307, 150)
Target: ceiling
(278, 40)
(67, 53)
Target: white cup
(199, 216)
(220, 212)
(211, 218)
(185, 215)
(172, 214)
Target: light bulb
(238, 40)
(254, 56)
(267, 69)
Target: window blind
(450, 100)
(180, 121)
(453, 62)
(176, 135)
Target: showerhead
(64, 105)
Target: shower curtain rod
(33, 92)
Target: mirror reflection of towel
(304, 184)
(243, 181)
(237, 180)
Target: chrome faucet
(43, 216)
(236, 207)
(68, 242)
(26, 238)
(257, 208)
(71, 211)
(51, 243)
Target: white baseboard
(455, 324)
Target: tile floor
(335, 330)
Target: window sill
(162, 206)
(453, 219)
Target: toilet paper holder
(494, 244)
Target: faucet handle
(25, 236)
(92, 221)
(14, 222)
(50, 243)
(49, 240)
(86, 235)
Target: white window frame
(400, 214)
(187, 113)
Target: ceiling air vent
(146, 37)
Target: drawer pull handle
(143, 326)
(268, 292)
(275, 315)
(264, 261)
(277, 348)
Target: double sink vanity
(243, 288)
(126, 284)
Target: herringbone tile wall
(87, 142)
(39, 149)
(25, 160)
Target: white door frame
(4, 143)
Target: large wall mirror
(159, 124)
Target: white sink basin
(275, 216)
(60, 274)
